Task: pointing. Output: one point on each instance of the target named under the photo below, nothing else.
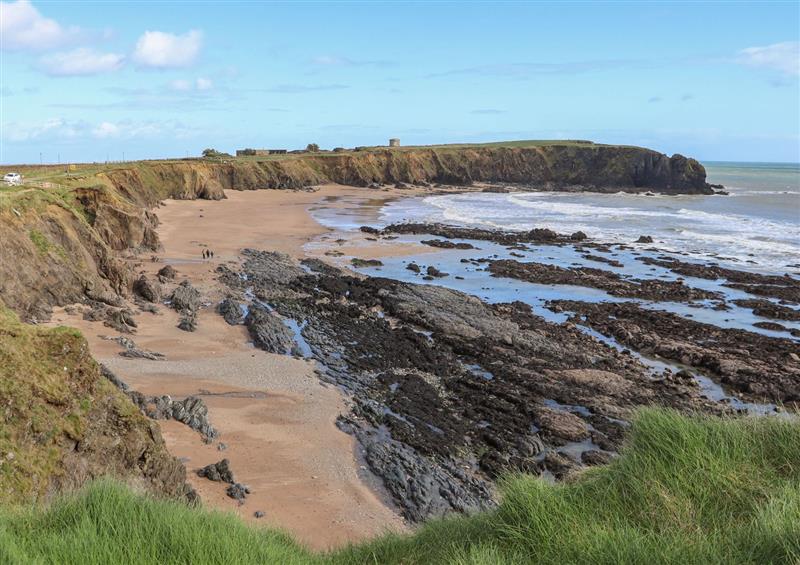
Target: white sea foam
(765, 232)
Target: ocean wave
(677, 227)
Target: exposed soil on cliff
(64, 423)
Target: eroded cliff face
(60, 245)
(584, 167)
(63, 423)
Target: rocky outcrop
(449, 392)
(757, 367)
(268, 331)
(613, 283)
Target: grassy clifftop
(541, 164)
(686, 490)
(62, 423)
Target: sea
(756, 226)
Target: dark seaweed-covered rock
(191, 411)
(756, 366)
(185, 298)
(444, 244)
(595, 457)
(188, 322)
(644, 239)
(356, 262)
(434, 272)
(542, 234)
(449, 392)
(770, 326)
(238, 491)
(230, 310)
(268, 330)
(220, 472)
(769, 309)
(613, 283)
(782, 287)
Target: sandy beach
(276, 419)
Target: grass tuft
(685, 490)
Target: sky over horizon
(90, 81)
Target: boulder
(230, 310)
(167, 273)
(238, 491)
(185, 297)
(542, 234)
(188, 322)
(147, 289)
(268, 330)
(219, 471)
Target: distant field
(686, 490)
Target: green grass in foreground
(686, 490)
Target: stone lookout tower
(394, 142)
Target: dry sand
(275, 417)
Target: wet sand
(275, 417)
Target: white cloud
(106, 129)
(781, 57)
(162, 50)
(22, 27)
(204, 84)
(61, 129)
(81, 61)
(54, 128)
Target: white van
(12, 178)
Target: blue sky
(86, 81)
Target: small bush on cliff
(685, 490)
(214, 154)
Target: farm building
(261, 152)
